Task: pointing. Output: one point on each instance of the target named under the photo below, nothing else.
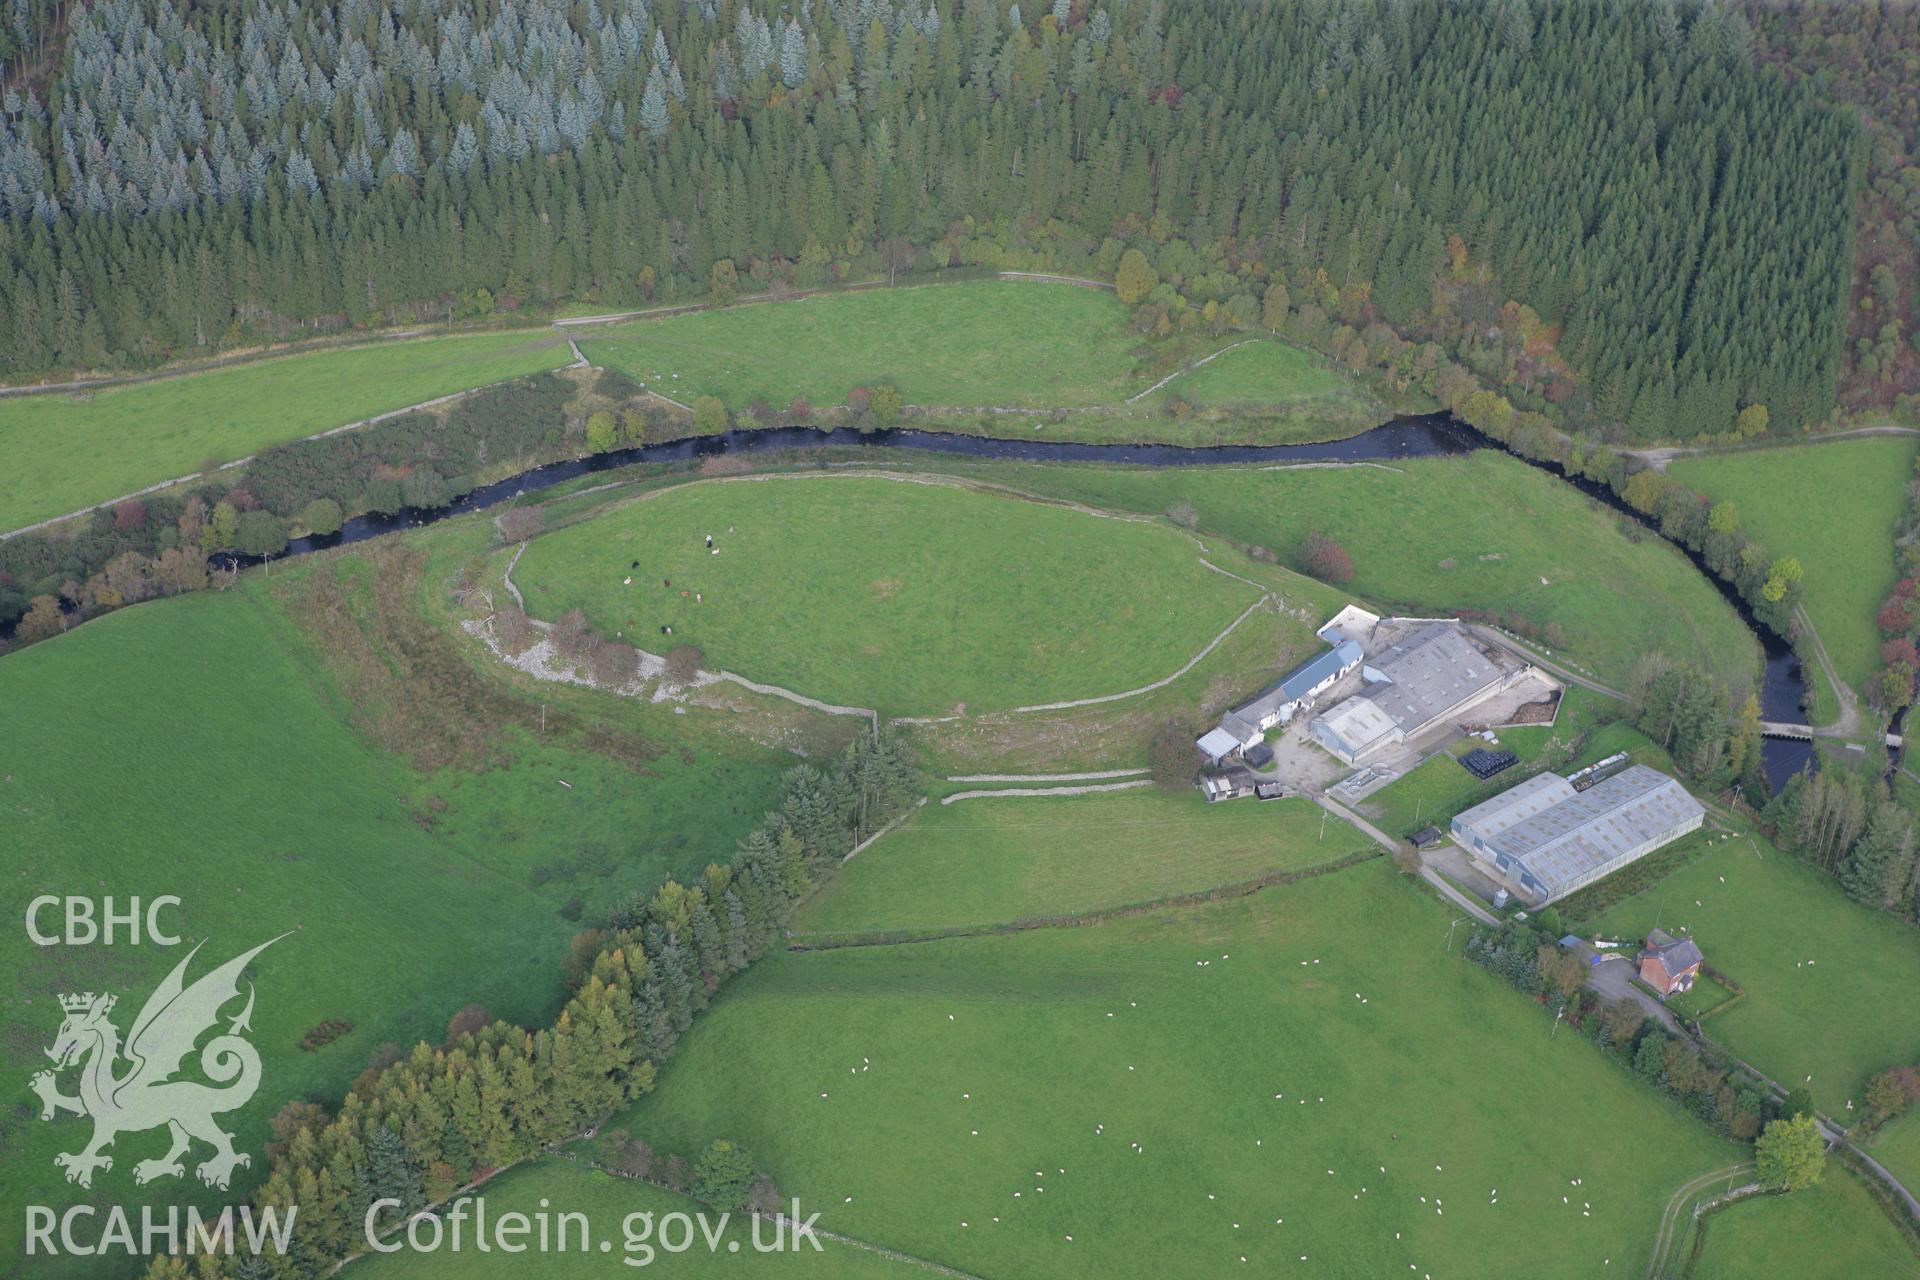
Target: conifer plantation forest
(176, 179)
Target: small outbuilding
(1669, 964)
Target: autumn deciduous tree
(1172, 759)
(709, 415)
(883, 402)
(1791, 1155)
(1562, 970)
(1134, 278)
(471, 1020)
(723, 282)
(614, 664)
(1325, 559)
(43, 618)
(602, 433)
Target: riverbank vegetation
(158, 545)
(1235, 1050)
(1845, 547)
(652, 155)
(67, 450)
(917, 598)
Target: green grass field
(875, 592)
(229, 778)
(1846, 547)
(1897, 1146)
(932, 1082)
(996, 859)
(1825, 977)
(986, 342)
(1259, 373)
(609, 1204)
(1439, 534)
(1834, 1229)
(64, 452)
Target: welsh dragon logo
(145, 1094)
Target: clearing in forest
(985, 342)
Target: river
(1782, 688)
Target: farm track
(1658, 458)
(1086, 789)
(1673, 1219)
(805, 942)
(1187, 368)
(1097, 775)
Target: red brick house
(1669, 964)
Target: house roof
(1303, 679)
(1676, 955)
(1295, 685)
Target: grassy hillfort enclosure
(1845, 544)
(1434, 535)
(66, 450)
(869, 591)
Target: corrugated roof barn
(1554, 840)
(1413, 686)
